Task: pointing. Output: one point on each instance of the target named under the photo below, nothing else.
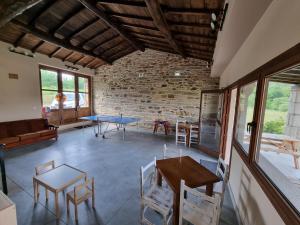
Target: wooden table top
(185, 168)
(60, 177)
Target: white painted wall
(20, 99)
(276, 31)
(251, 202)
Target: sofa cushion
(28, 136)
(47, 132)
(38, 124)
(18, 127)
(9, 140)
(3, 130)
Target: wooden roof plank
(19, 40)
(104, 42)
(101, 32)
(200, 36)
(55, 52)
(80, 59)
(46, 7)
(130, 16)
(91, 5)
(35, 48)
(9, 9)
(161, 23)
(190, 11)
(69, 56)
(56, 41)
(83, 28)
(123, 2)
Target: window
(278, 148)
(245, 115)
(83, 90)
(66, 94)
(49, 86)
(68, 87)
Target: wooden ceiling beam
(10, 9)
(97, 65)
(19, 40)
(91, 5)
(44, 9)
(101, 32)
(104, 42)
(67, 18)
(142, 27)
(56, 41)
(125, 49)
(113, 47)
(161, 23)
(130, 16)
(80, 59)
(162, 41)
(124, 2)
(147, 35)
(189, 11)
(187, 42)
(201, 36)
(156, 43)
(193, 25)
(82, 28)
(35, 48)
(90, 63)
(69, 56)
(55, 52)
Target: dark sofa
(23, 132)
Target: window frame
(284, 61)
(60, 85)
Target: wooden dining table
(57, 180)
(185, 168)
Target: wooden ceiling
(92, 33)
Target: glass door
(68, 98)
(211, 115)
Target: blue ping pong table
(103, 121)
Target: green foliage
(278, 96)
(275, 126)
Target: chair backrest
(195, 204)
(222, 170)
(194, 128)
(45, 167)
(147, 173)
(84, 188)
(179, 124)
(171, 153)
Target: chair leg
(76, 212)
(38, 191)
(68, 207)
(47, 194)
(93, 200)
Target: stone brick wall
(143, 85)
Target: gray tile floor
(113, 163)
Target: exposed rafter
(129, 16)
(19, 40)
(80, 59)
(55, 52)
(56, 41)
(193, 25)
(9, 9)
(123, 2)
(66, 19)
(147, 35)
(69, 56)
(116, 45)
(185, 34)
(44, 9)
(35, 48)
(83, 28)
(91, 5)
(101, 32)
(142, 27)
(121, 52)
(103, 42)
(161, 23)
(90, 63)
(190, 11)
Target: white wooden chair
(197, 207)
(43, 168)
(81, 193)
(153, 196)
(194, 135)
(221, 172)
(171, 153)
(181, 135)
